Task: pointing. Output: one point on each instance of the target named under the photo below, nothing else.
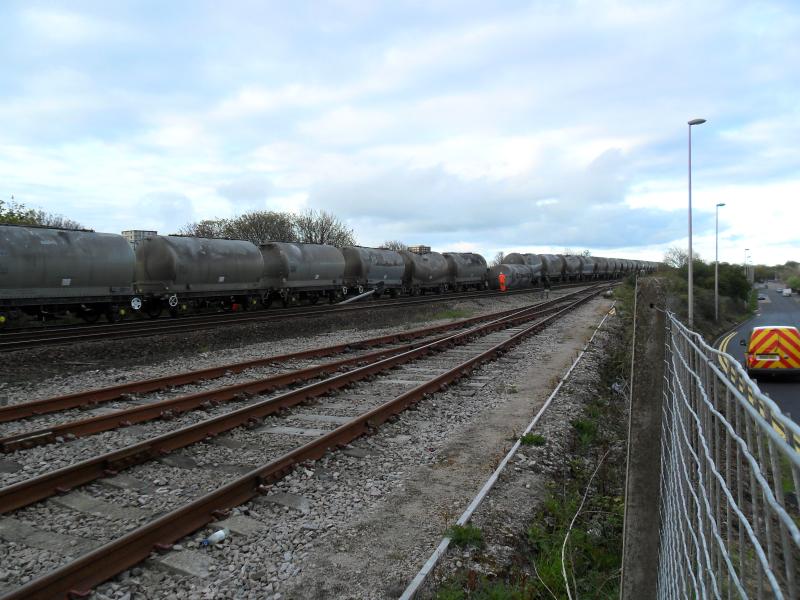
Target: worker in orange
(501, 279)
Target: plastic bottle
(216, 537)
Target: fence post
(640, 540)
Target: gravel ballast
(368, 515)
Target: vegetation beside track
(737, 299)
(583, 502)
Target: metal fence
(730, 479)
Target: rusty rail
(17, 340)
(79, 576)
(92, 397)
(61, 480)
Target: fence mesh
(729, 482)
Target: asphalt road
(775, 310)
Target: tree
(15, 213)
(498, 259)
(262, 226)
(394, 245)
(678, 257)
(210, 228)
(52, 220)
(321, 227)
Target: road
(775, 310)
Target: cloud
(462, 124)
(247, 191)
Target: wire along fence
(730, 479)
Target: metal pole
(691, 274)
(716, 266)
(691, 254)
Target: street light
(691, 256)
(746, 250)
(716, 264)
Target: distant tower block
(137, 236)
(419, 249)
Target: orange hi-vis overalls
(502, 280)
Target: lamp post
(746, 250)
(716, 264)
(691, 255)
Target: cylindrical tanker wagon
(601, 267)
(534, 261)
(180, 272)
(467, 270)
(552, 267)
(588, 267)
(517, 276)
(373, 268)
(295, 272)
(425, 272)
(47, 271)
(572, 266)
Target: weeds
(532, 439)
(450, 313)
(465, 535)
(586, 431)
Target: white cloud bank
(462, 125)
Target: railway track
(46, 336)
(249, 429)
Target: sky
(463, 125)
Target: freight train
(47, 272)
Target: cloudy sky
(463, 125)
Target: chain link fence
(730, 479)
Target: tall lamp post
(691, 255)
(746, 250)
(716, 264)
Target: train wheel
(153, 309)
(114, 314)
(266, 301)
(90, 315)
(313, 298)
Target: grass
(532, 439)
(465, 535)
(451, 313)
(586, 431)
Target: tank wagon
(601, 267)
(552, 267)
(588, 268)
(177, 273)
(425, 272)
(467, 270)
(46, 271)
(572, 267)
(534, 261)
(293, 272)
(373, 268)
(517, 276)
